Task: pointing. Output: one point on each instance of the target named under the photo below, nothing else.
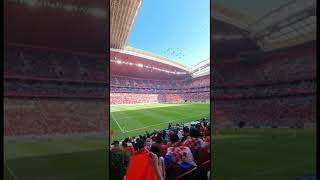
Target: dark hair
(184, 138)
(198, 126)
(174, 138)
(155, 148)
(115, 143)
(194, 132)
(124, 144)
(159, 139)
(126, 140)
(140, 144)
(205, 124)
(185, 129)
(119, 163)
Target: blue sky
(176, 29)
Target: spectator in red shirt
(143, 165)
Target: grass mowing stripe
(167, 122)
(264, 153)
(273, 170)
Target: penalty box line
(9, 170)
(115, 120)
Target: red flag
(112, 133)
(140, 167)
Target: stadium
(168, 86)
(264, 80)
(155, 98)
(56, 89)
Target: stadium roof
(122, 15)
(272, 24)
(77, 25)
(156, 57)
(150, 56)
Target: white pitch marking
(114, 119)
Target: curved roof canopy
(272, 24)
(77, 25)
(122, 15)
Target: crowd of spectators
(180, 150)
(131, 98)
(135, 90)
(19, 87)
(145, 98)
(269, 71)
(266, 90)
(129, 82)
(41, 72)
(44, 90)
(40, 63)
(158, 91)
(288, 111)
(34, 117)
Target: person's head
(119, 163)
(140, 144)
(205, 124)
(115, 144)
(126, 140)
(185, 129)
(144, 138)
(174, 138)
(124, 144)
(155, 148)
(159, 139)
(194, 132)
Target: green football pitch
(136, 120)
(73, 159)
(264, 154)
